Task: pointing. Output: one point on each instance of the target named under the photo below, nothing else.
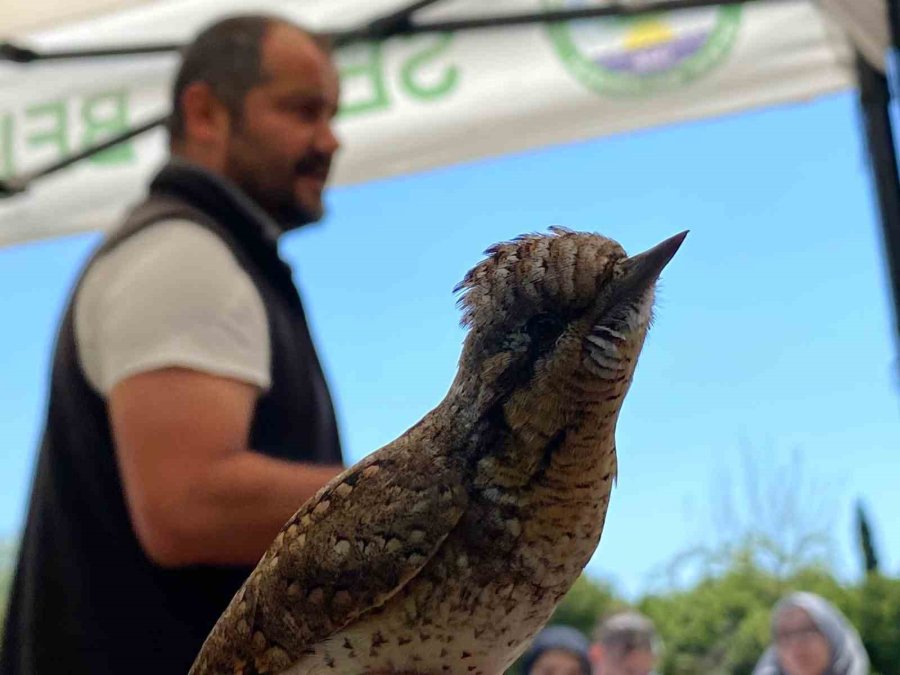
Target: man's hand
(195, 492)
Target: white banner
(414, 103)
(865, 22)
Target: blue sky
(773, 336)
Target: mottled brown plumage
(448, 549)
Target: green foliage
(878, 620)
(718, 626)
(721, 625)
(7, 560)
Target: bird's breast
(485, 593)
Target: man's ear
(206, 120)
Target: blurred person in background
(557, 650)
(188, 415)
(625, 643)
(812, 637)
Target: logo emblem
(633, 56)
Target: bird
(447, 550)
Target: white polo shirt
(171, 295)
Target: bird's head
(556, 323)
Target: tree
(774, 510)
(866, 544)
(878, 621)
(721, 624)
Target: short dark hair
(628, 631)
(227, 55)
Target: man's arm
(195, 492)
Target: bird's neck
(514, 439)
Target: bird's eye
(544, 329)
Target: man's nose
(326, 140)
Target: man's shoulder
(169, 235)
(170, 294)
(178, 264)
(176, 248)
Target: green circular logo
(638, 55)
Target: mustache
(314, 163)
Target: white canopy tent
(443, 93)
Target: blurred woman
(811, 637)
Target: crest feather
(561, 265)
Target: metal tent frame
(876, 93)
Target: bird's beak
(644, 268)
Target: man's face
(631, 662)
(280, 149)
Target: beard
(271, 183)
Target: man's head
(254, 101)
(625, 644)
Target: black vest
(86, 599)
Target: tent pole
(17, 184)
(875, 98)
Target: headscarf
(848, 656)
(563, 638)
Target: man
(626, 643)
(188, 415)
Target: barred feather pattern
(444, 552)
(535, 272)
